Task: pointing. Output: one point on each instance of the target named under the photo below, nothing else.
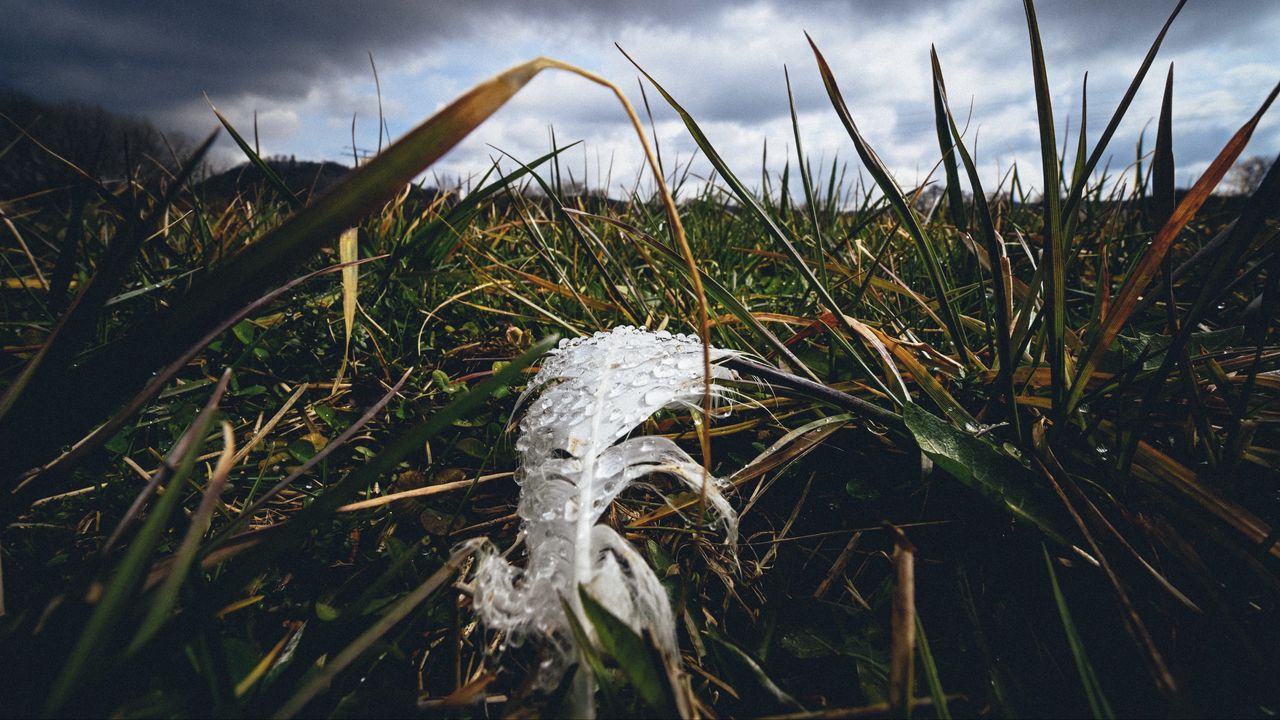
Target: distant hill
(308, 180)
(305, 178)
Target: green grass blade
(317, 684)
(1078, 178)
(944, 125)
(605, 681)
(995, 253)
(1162, 163)
(94, 640)
(166, 596)
(1055, 244)
(758, 690)
(930, 671)
(641, 662)
(1077, 189)
(273, 178)
(1098, 705)
(893, 193)
(810, 199)
(775, 231)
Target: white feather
(574, 460)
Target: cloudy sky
(304, 68)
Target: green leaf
(1077, 189)
(118, 442)
(272, 178)
(330, 417)
(980, 466)
(639, 659)
(474, 447)
(944, 125)
(765, 688)
(587, 651)
(244, 331)
(1055, 241)
(326, 613)
(995, 251)
(302, 450)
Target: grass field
(1018, 456)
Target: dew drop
(657, 396)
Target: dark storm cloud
(143, 57)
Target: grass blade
(120, 590)
(317, 683)
(640, 661)
(770, 225)
(1140, 277)
(946, 145)
(810, 199)
(1077, 189)
(272, 177)
(931, 673)
(1055, 244)
(102, 380)
(894, 194)
(995, 254)
(348, 253)
(1163, 198)
(587, 651)
(166, 597)
(984, 469)
(1098, 705)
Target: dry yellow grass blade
(1157, 467)
(422, 492)
(927, 382)
(348, 253)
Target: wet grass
(1016, 455)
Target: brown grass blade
(1136, 283)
